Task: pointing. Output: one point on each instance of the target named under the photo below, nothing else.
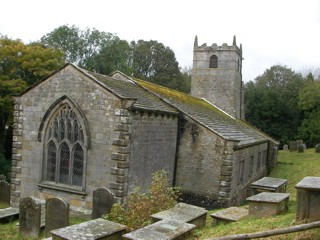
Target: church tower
(217, 77)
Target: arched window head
(213, 61)
(64, 148)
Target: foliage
(5, 167)
(105, 53)
(271, 102)
(139, 206)
(20, 66)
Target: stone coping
(181, 212)
(94, 229)
(161, 230)
(269, 182)
(231, 214)
(311, 183)
(269, 197)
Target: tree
(154, 62)
(20, 66)
(271, 102)
(309, 103)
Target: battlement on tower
(216, 47)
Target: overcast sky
(285, 32)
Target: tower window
(213, 61)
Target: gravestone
(300, 148)
(4, 191)
(103, 200)
(57, 214)
(231, 214)
(293, 146)
(285, 147)
(29, 217)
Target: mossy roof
(156, 98)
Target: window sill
(63, 188)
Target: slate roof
(154, 97)
(209, 116)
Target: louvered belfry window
(213, 61)
(64, 151)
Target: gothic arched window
(64, 156)
(213, 61)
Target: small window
(250, 166)
(64, 150)
(213, 61)
(241, 172)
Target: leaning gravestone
(4, 191)
(29, 217)
(293, 146)
(285, 147)
(103, 200)
(57, 214)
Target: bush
(5, 167)
(135, 213)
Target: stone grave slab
(8, 214)
(95, 229)
(183, 212)
(308, 198)
(102, 203)
(29, 217)
(231, 214)
(164, 229)
(57, 215)
(285, 147)
(267, 204)
(268, 184)
(4, 191)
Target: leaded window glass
(65, 151)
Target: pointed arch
(64, 133)
(77, 110)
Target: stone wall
(200, 156)
(153, 147)
(98, 106)
(221, 86)
(250, 165)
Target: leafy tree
(272, 102)
(309, 103)
(20, 66)
(79, 46)
(154, 62)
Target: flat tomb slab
(161, 230)
(308, 198)
(268, 184)
(8, 214)
(95, 229)
(311, 183)
(185, 213)
(231, 214)
(268, 204)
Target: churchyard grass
(292, 166)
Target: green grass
(292, 166)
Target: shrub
(135, 213)
(5, 167)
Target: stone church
(76, 130)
